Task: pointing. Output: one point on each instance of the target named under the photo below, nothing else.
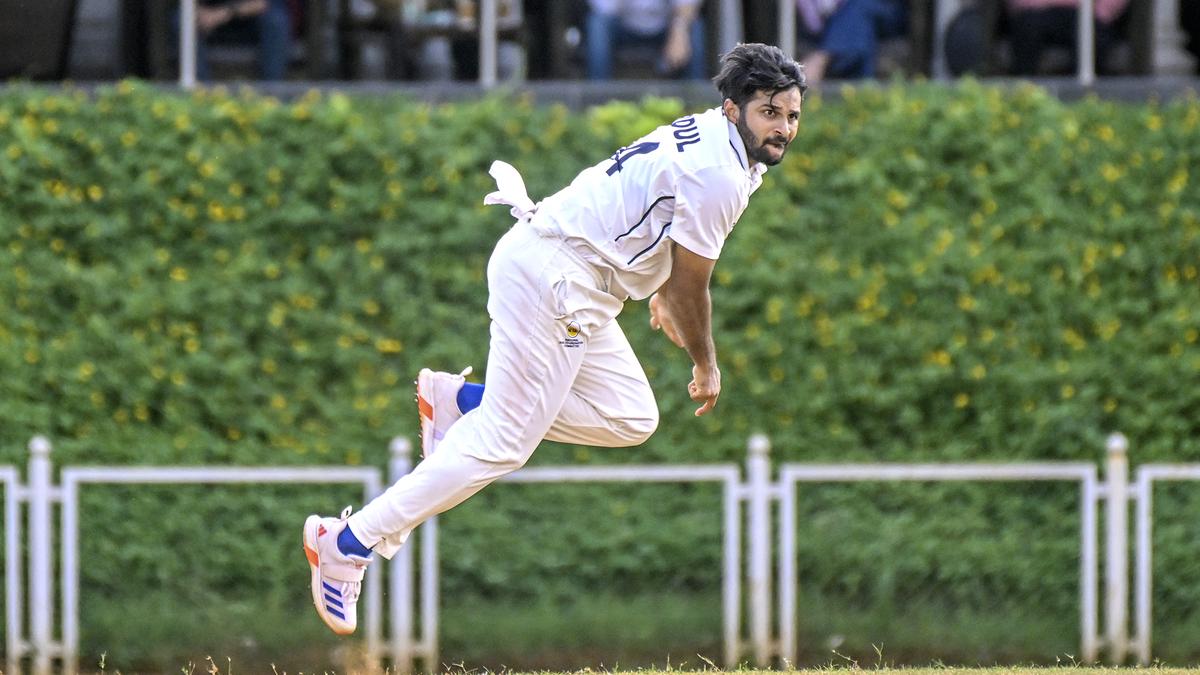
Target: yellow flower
(389, 346)
(1178, 181)
(962, 400)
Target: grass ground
(213, 667)
(650, 633)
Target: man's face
(767, 123)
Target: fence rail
(757, 492)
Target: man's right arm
(683, 308)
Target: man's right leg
(610, 404)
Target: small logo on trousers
(573, 339)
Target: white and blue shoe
(336, 577)
(437, 405)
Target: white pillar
(400, 576)
(1087, 43)
(41, 590)
(1142, 568)
(729, 32)
(187, 44)
(488, 44)
(1116, 582)
(758, 475)
(1170, 57)
(787, 27)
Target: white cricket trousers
(559, 368)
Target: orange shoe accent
(424, 408)
(312, 556)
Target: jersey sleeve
(707, 204)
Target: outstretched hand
(660, 319)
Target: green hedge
(934, 274)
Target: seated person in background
(674, 26)
(265, 22)
(848, 33)
(1036, 24)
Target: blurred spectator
(1189, 20)
(672, 27)
(1037, 24)
(266, 23)
(848, 33)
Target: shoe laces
(466, 371)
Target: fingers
(706, 395)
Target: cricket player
(648, 221)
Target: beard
(760, 152)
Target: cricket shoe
(437, 405)
(336, 577)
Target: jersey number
(686, 133)
(622, 155)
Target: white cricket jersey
(687, 182)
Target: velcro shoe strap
(343, 571)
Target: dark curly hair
(750, 68)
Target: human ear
(731, 110)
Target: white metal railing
(1143, 584)
(74, 477)
(1081, 472)
(15, 646)
(757, 492)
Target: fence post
(41, 593)
(401, 576)
(1143, 530)
(1116, 583)
(758, 475)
